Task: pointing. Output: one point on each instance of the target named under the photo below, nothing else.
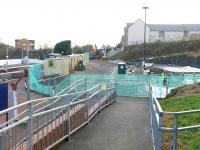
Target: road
(100, 67)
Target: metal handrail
(42, 99)
(53, 78)
(57, 113)
(158, 127)
(69, 87)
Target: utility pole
(145, 8)
(7, 48)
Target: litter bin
(121, 68)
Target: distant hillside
(157, 50)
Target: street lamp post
(22, 52)
(7, 52)
(145, 8)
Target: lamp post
(50, 47)
(22, 52)
(145, 8)
(7, 52)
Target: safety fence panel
(46, 85)
(54, 84)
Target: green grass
(188, 138)
(181, 104)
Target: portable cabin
(74, 60)
(72, 63)
(86, 59)
(56, 66)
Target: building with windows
(134, 32)
(25, 44)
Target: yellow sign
(103, 87)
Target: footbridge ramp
(125, 125)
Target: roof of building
(170, 27)
(174, 27)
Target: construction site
(46, 103)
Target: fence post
(160, 132)
(100, 99)
(175, 132)
(69, 120)
(1, 141)
(30, 132)
(116, 83)
(87, 107)
(85, 85)
(110, 98)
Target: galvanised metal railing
(45, 129)
(46, 103)
(174, 130)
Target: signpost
(4, 97)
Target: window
(185, 34)
(161, 35)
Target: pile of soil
(186, 90)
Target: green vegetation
(135, 52)
(63, 47)
(187, 139)
(82, 49)
(181, 104)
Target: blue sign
(102, 51)
(3, 96)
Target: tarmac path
(125, 125)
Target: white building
(134, 32)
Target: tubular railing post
(116, 82)
(85, 85)
(87, 107)
(1, 141)
(175, 132)
(160, 132)
(69, 120)
(30, 132)
(109, 99)
(110, 96)
(99, 99)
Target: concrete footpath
(125, 125)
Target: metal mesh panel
(128, 85)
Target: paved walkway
(125, 125)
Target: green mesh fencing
(35, 77)
(127, 85)
(138, 85)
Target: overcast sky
(86, 21)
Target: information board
(3, 96)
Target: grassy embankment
(175, 103)
(135, 52)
